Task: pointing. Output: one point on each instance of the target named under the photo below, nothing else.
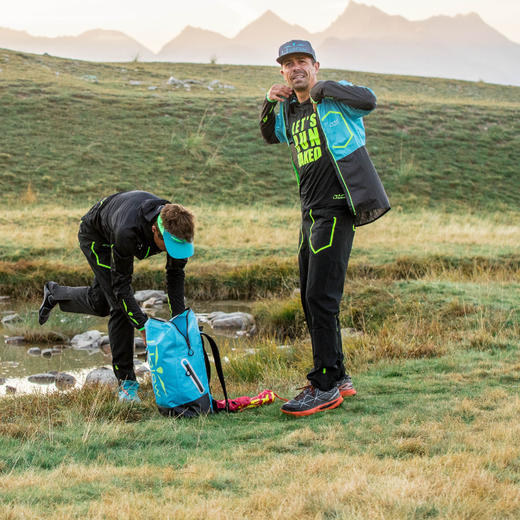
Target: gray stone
(139, 347)
(11, 318)
(42, 379)
(90, 77)
(105, 340)
(105, 348)
(217, 84)
(101, 376)
(87, 340)
(14, 340)
(233, 320)
(49, 352)
(141, 370)
(2, 380)
(10, 389)
(135, 82)
(152, 302)
(175, 82)
(64, 381)
(34, 351)
(141, 296)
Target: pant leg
(99, 300)
(121, 334)
(303, 264)
(330, 237)
(82, 300)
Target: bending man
(113, 232)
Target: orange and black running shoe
(312, 400)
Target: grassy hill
(430, 303)
(74, 131)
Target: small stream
(17, 363)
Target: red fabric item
(241, 403)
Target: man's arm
(122, 269)
(276, 93)
(268, 122)
(175, 284)
(360, 99)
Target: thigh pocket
(321, 233)
(101, 254)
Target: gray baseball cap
(295, 47)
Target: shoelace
(299, 396)
(303, 392)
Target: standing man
(113, 232)
(322, 122)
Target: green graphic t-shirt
(319, 185)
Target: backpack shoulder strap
(218, 365)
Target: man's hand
(143, 335)
(279, 92)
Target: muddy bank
(25, 279)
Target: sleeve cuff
(269, 99)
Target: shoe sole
(348, 393)
(321, 408)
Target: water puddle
(19, 360)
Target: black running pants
(326, 240)
(99, 300)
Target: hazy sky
(154, 22)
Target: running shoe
(312, 400)
(47, 304)
(345, 387)
(128, 391)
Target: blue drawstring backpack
(180, 366)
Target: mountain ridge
(362, 37)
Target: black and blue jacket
(122, 223)
(341, 107)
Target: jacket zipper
(288, 144)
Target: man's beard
(301, 88)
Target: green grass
(435, 142)
(416, 424)
(430, 304)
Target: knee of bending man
(99, 303)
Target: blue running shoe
(128, 391)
